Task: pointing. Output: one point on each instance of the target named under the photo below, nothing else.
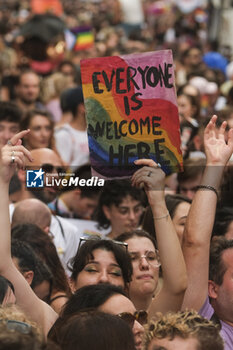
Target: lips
(145, 277)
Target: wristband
(161, 217)
(208, 187)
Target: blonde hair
(13, 312)
(184, 324)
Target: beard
(43, 195)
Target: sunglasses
(98, 238)
(49, 168)
(18, 326)
(140, 316)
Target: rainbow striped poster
(132, 113)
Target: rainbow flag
(84, 38)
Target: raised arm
(200, 220)
(174, 271)
(13, 155)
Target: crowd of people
(132, 264)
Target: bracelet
(161, 217)
(208, 187)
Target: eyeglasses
(98, 238)
(151, 257)
(140, 316)
(18, 326)
(49, 168)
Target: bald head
(32, 211)
(44, 156)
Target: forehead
(101, 255)
(38, 118)
(182, 209)
(175, 344)
(129, 202)
(117, 304)
(45, 156)
(7, 124)
(29, 78)
(136, 244)
(227, 258)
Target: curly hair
(184, 324)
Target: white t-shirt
(72, 145)
(132, 11)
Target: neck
(113, 235)
(141, 303)
(65, 198)
(25, 106)
(79, 123)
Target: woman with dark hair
(46, 250)
(106, 298)
(7, 292)
(41, 129)
(101, 261)
(84, 331)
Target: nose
(132, 215)
(143, 263)
(103, 277)
(138, 331)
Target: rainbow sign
(131, 112)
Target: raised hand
(13, 155)
(150, 177)
(218, 148)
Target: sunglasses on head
(18, 326)
(140, 316)
(49, 168)
(98, 238)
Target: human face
(124, 217)
(29, 88)
(118, 304)
(7, 130)
(224, 296)
(40, 134)
(185, 108)
(145, 275)
(177, 343)
(45, 156)
(103, 268)
(188, 188)
(84, 207)
(9, 297)
(180, 217)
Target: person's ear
(106, 211)
(22, 175)
(28, 276)
(46, 229)
(212, 289)
(72, 285)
